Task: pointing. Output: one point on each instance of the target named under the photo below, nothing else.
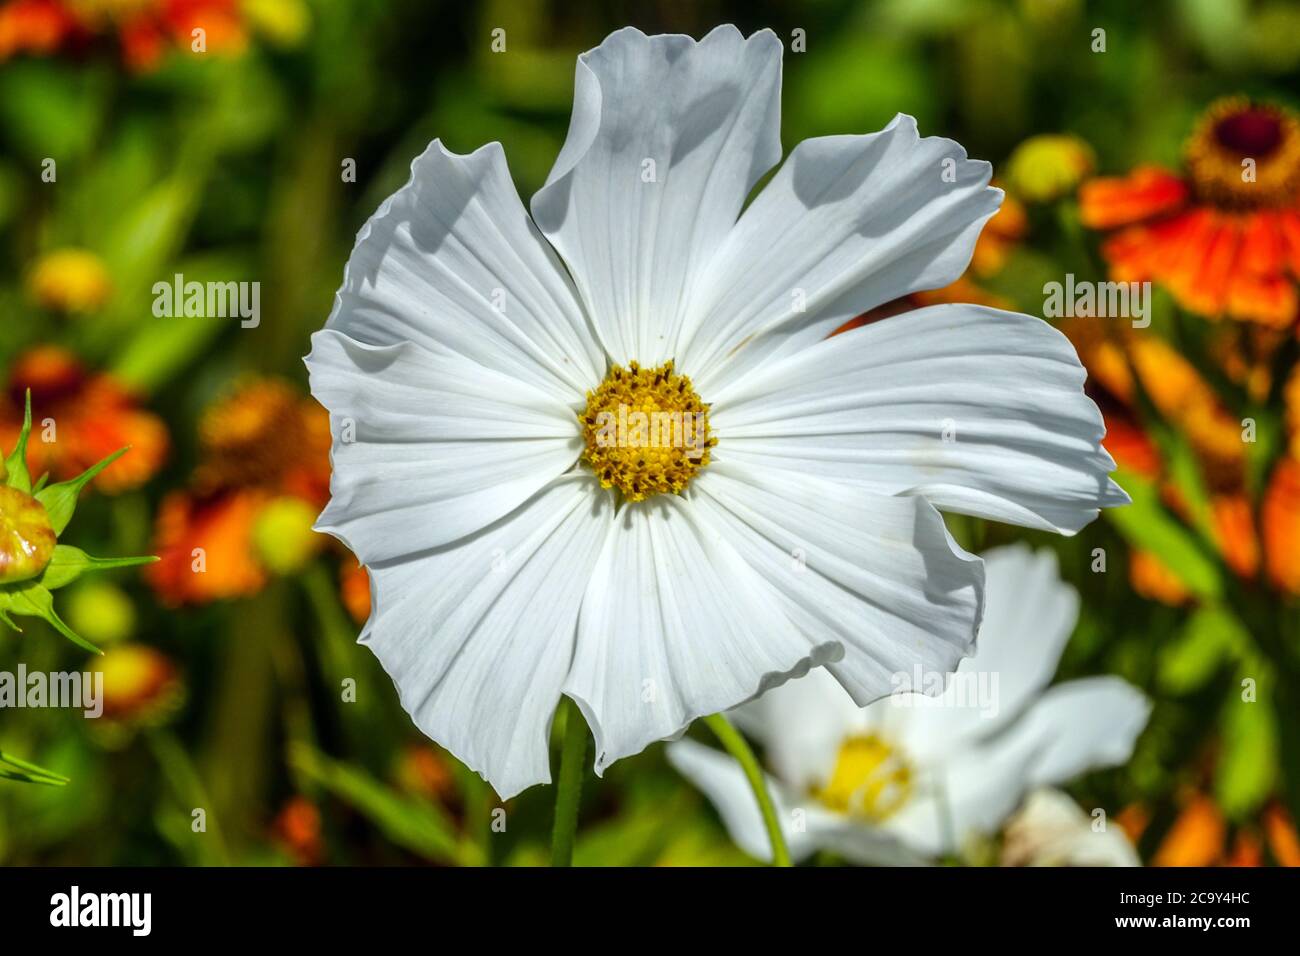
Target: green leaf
(69, 563)
(417, 825)
(1145, 524)
(35, 600)
(12, 768)
(1247, 769)
(61, 500)
(14, 471)
(1212, 637)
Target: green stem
(730, 738)
(569, 786)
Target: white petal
(1075, 727)
(429, 447)
(478, 636)
(723, 782)
(847, 223)
(1051, 830)
(966, 797)
(1081, 725)
(721, 779)
(981, 411)
(879, 575)
(1029, 617)
(703, 119)
(675, 626)
(453, 259)
(802, 724)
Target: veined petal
(452, 259)
(668, 137)
(478, 635)
(428, 445)
(880, 575)
(846, 224)
(981, 411)
(675, 626)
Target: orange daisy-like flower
(80, 418)
(1224, 236)
(143, 29)
(263, 446)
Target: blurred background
(128, 156)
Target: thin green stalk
(730, 738)
(568, 788)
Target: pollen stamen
(646, 431)
(870, 779)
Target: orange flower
(78, 419)
(1234, 533)
(1154, 581)
(35, 26)
(1291, 395)
(205, 547)
(1196, 838)
(298, 829)
(1282, 838)
(354, 586)
(1000, 235)
(144, 29)
(1280, 525)
(1224, 237)
(1246, 850)
(1129, 445)
(261, 444)
(424, 770)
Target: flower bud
(27, 538)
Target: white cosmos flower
(468, 337)
(910, 778)
(1051, 830)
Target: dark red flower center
(1251, 132)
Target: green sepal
(14, 471)
(69, 563)
(61, 500)
(35, 600)
(40, 483)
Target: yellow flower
(1046, 167)
(70, 280)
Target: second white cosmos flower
(516, 556)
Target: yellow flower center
(1246, 156)
(871, 780)
(27, 539)
(646, 431)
